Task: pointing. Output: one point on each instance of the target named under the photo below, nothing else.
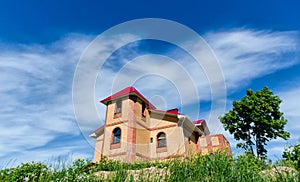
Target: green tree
(256, 119)
(292, 153)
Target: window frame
(116, 138)
(118, 109)
(159, 146)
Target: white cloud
(243, 55)
(248, 54)
(291, 110)
(35, 93)
(291, 101)
(61, 154)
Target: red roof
(198, 121)
(171, 111)
(127, 91)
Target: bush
(30, 171)
(291, 156)
(217, 167)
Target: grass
(219, 167)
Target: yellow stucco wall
(142, 141)
(174, 142)
(159, 120)
(98, 148)
(190, 147)
(138, 113)
(107, 151)
(110, 114)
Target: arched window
(161, 140)
(116, 136)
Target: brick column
(131, 133)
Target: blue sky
(256, 44)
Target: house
(135, 129)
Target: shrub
(217, 167)
(30, 171)
(291, 156)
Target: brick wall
(209, 144)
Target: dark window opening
(143, 109)
(116, 136)
(133, 98)
(161, 140)
(118, 107)
(197, 135)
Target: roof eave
(97, 132)
(93, 135)
(185, 121)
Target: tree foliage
(292, 153)
(256, 119)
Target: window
(118, 107)
(143, 109)
(161, 140)
(116, 136)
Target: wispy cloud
(248, 54)
(58, 154)
(243, 55)
(291, 110)
(35, 93)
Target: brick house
(135, 130)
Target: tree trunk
(249, 139)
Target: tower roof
(126, 92)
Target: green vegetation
(291, 156)
(256, 119)
(217, 167)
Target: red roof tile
(127, 91)
(171, 111)
(198, 121)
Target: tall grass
(217, 167)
